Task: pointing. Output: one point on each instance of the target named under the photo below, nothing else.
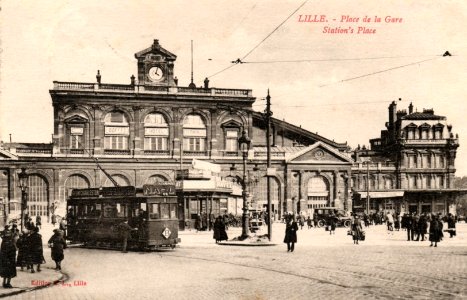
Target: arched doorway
(156, 179)
(261, 195)
(75, 181)
(38, 196)
(318, 192)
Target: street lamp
(244, 145)
(23, 184)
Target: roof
(383, 194)
(425, 115)
(280, 149)
(154, 48)
(36, 146)
(303, 132)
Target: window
(388, 184)
(318, 192)
(38, 198)
(173, 211)
(154, 211)
(116, 131)
(428, 181)
(76, 141)
(440, 181)
(231, 140)
(194, 133)
(156, 132)
(165, 211)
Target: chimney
(132, 78)
(98, 77)
(410, 108)
(392, 113)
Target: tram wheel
(321, 223)
(347, 223)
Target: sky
(317, 79)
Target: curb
(246, 244)
(64, 277)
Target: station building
(151, 129)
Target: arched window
(388, 183)
(156, 132)
(262, 191)
(156, 179)
(38, 196)
(75, 181)
(120, 179)
(318, 192)
(194, 134)
(117, 131)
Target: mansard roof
(425, 115)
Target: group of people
(25, 250)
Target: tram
(95, 215)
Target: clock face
(155, 74)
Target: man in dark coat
(57, 243)
(219, 230)
(409, 226)
(23, 247)
(436, 230)
(291, 234)
(38, 221)
(422, 226)
(35, 251)
(451, 225)
(7, 257)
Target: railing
(118, 87)
(156, 152)
(79, 86)
(76, 151)
(36, 151)
(230, 153)
(273, 154)
(194, 153)
(116, 152)
(73, 86)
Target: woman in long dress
(7, 257)
(356, 230)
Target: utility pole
(268, 145)
(368, 187)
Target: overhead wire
(234, 63)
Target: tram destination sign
(85, 193)
(118, 191)
(159, 189)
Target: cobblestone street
(385, 266)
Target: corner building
(146, 131)
(410, 167)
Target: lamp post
(244, 145)
(368, 187)
(23, 184)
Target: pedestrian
(451, 225)
(315, 219)
(436, 230)
(219, 230)
(35, 253)
(309, 222)
(62, 226)
(54, 220)
(397, 222)
(416, 227)
(301, 219)
(332, 222)
(357, 230)
(198, 223)
(291, 234)
(38, 221)
(409, 226)
(7, 257)
(125, 230)
(30, 224)
(422, 226)
(366, 220)
(57, 243)
(390, 221)
(22, 246)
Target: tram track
(396, 284)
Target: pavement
(323, 266)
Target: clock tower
(156, 66)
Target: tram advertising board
(159, 189)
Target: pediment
(76, 119)
(232, 123)
(155, 53)
(319, 153)
(6, 155)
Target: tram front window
(154, 211)
(165, 211)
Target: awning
(382, 194)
